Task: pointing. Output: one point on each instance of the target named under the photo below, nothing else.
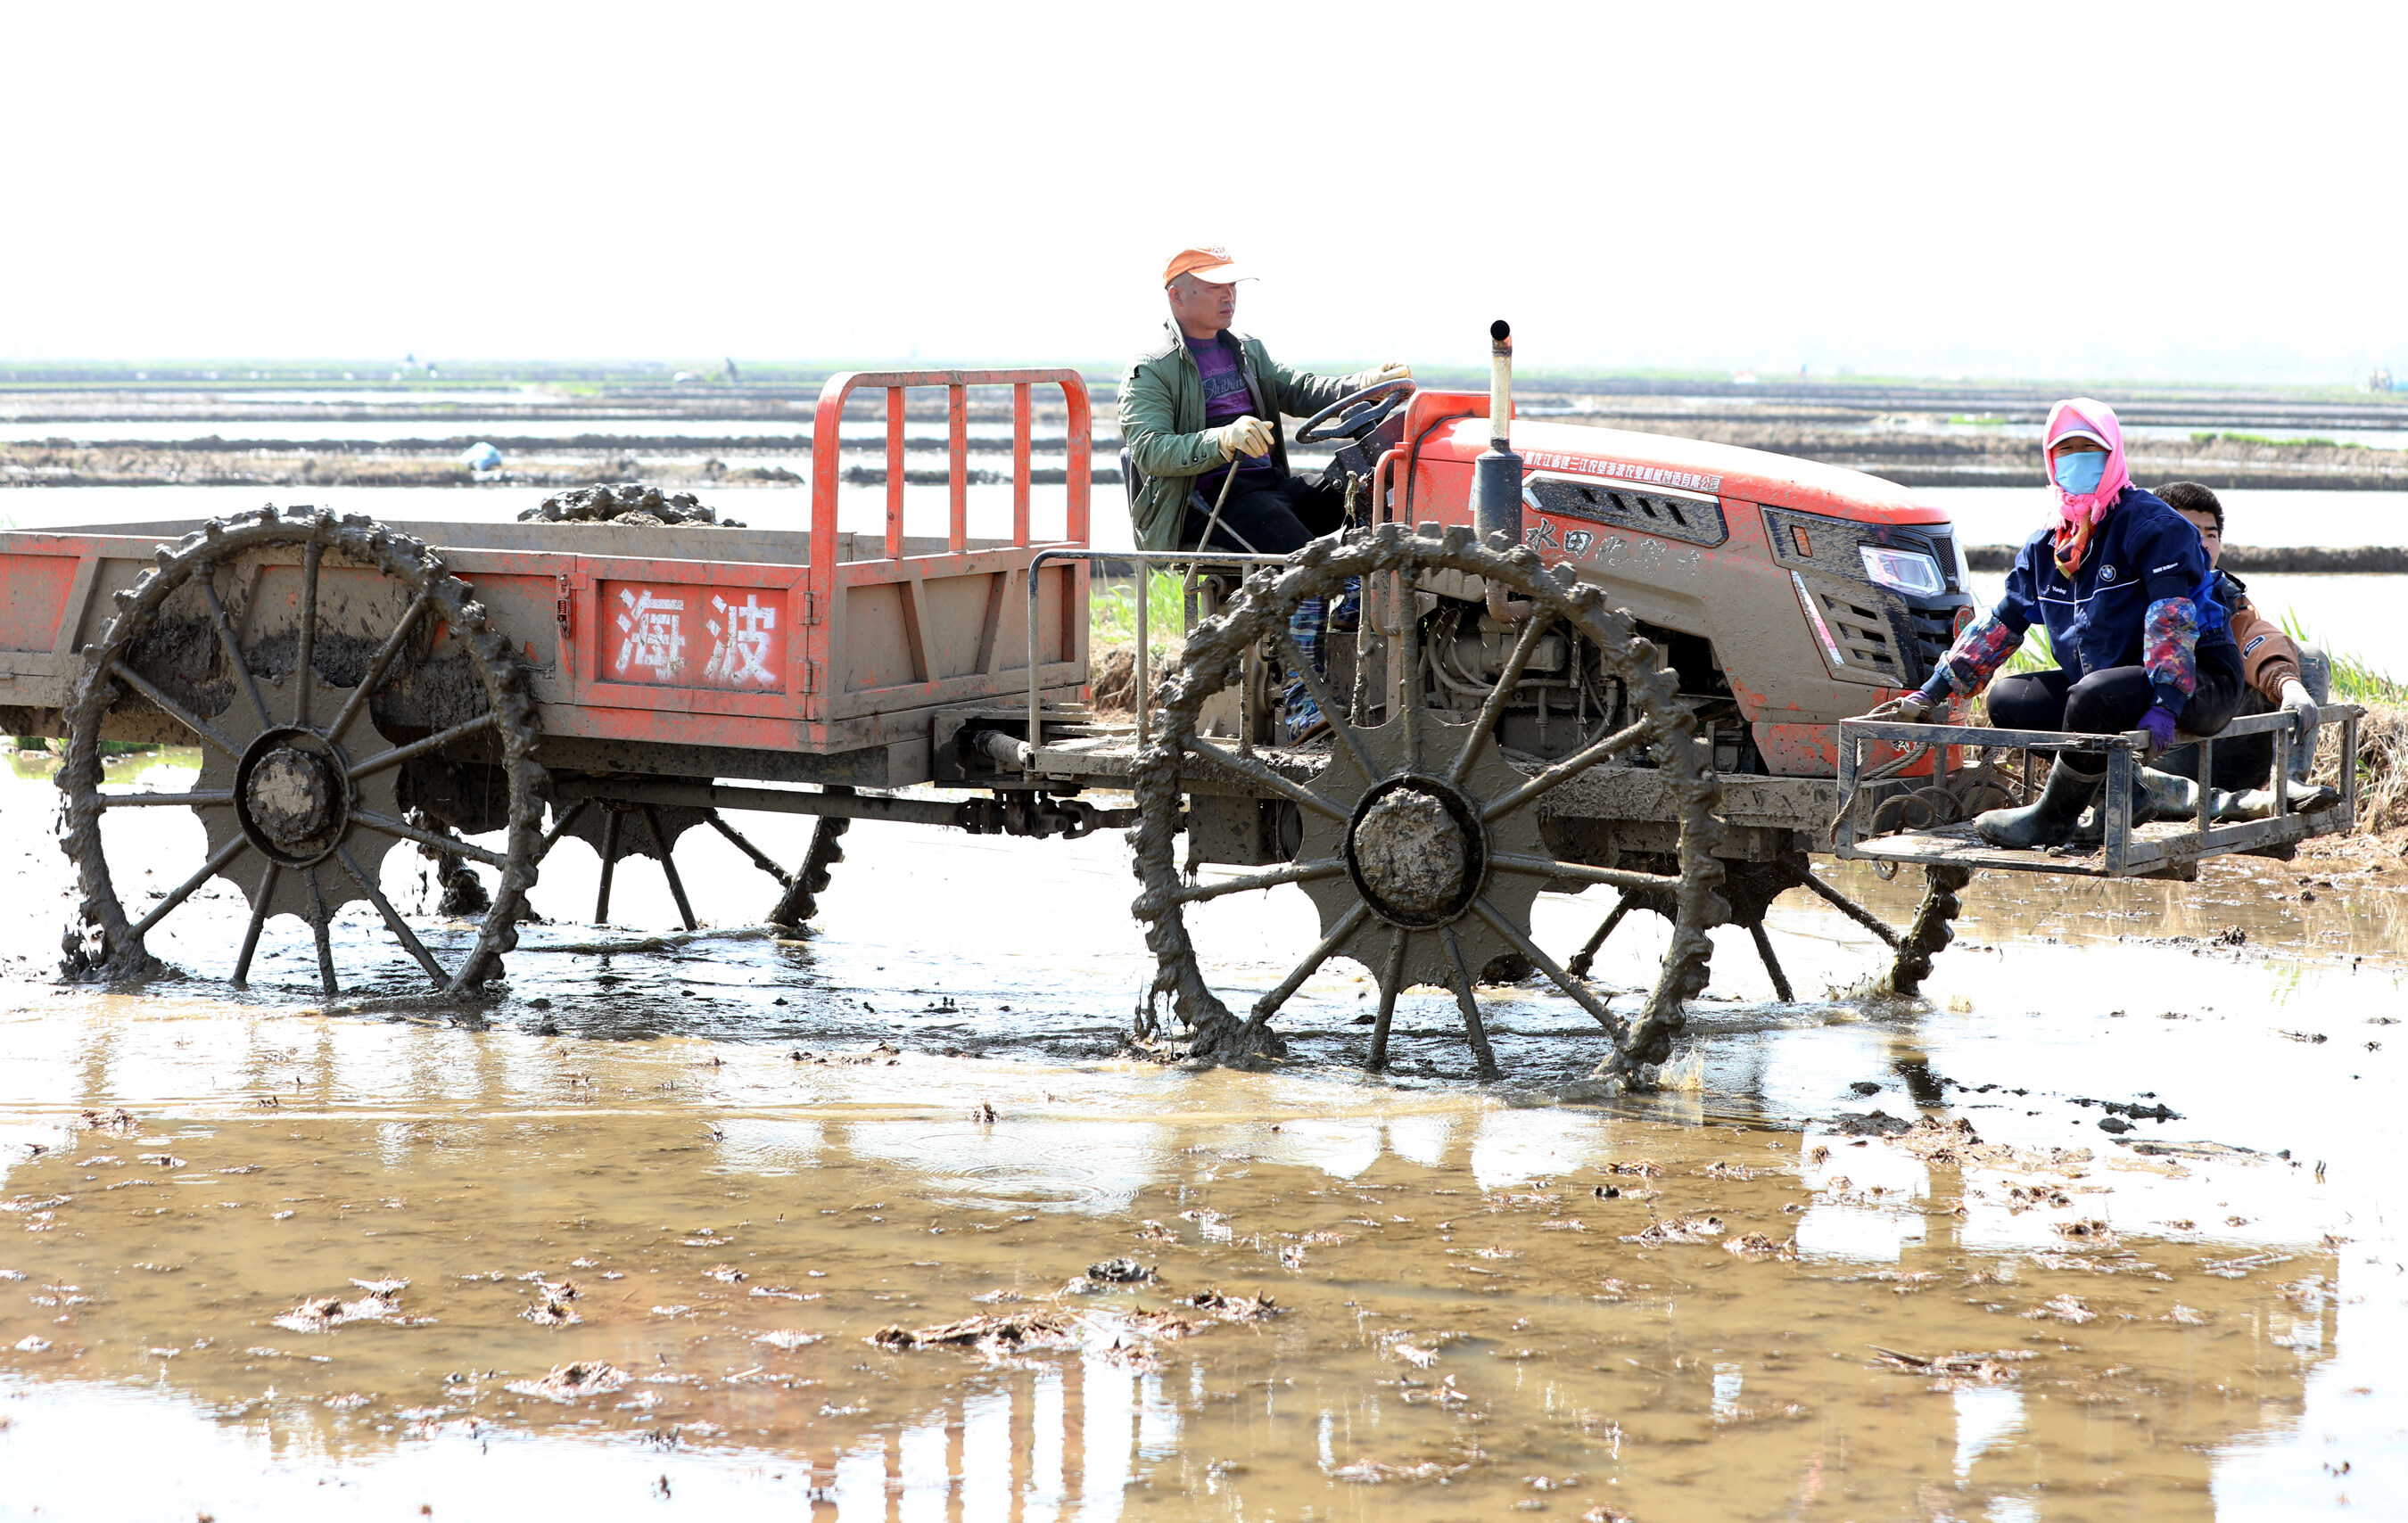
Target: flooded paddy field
(127, 433)
(885, 1222)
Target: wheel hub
(1416, 851)
(290, 796)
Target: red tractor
(1787, 594)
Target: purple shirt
(1226, 400)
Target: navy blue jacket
(2141, 553)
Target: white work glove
(1910, 707)
(2302, 704)
(1388, 371)
(1249, 437)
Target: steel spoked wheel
(266, 639)
(1421, 846)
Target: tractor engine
(1787, 594)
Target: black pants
(1273, 521)
(2104, 702)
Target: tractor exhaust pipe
(1496, 475)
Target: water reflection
(1465, 1310)
(2214, 1320)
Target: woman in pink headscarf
(2125, 590)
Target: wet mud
(702, 1256)
(871, 1223)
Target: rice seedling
(1113, 613)
(2355, 679)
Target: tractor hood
(1458, 430)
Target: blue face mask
(2082, 473)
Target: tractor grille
(1648, 512)
(1928, 633)
(1862, 627)
(1881, 633)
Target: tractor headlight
(1907, 571)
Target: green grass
(1977, 419)
(2355, 679)
(1112, 614)
(2311, 442)
(2035, 654)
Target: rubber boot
(2169, 797)
(2155, 795)
(2265, 803)
(2049, 822)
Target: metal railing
(1144, 560)
(2122, 853)
(826, 444)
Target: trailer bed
(796, 654)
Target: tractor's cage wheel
(1388, 791)
(299, 804)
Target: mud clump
(1697, 1229)
(2069, 1309)
(1230, 1308)
(629, 502)
(1874, 1123)
(1115, 683)
(1956, 1371)
(988, 1334)
(2137, 1112)
(567, 1382)
(1379, 1473)
(1164, 1325)
(1410, 852)
(323, 1314)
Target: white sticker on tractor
(1548, 460)
(741, 632)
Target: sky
(2149, 192)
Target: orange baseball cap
(1212, 265)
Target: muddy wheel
(800, 902)
(263, 638)
(1749, 889)
(618, 830)
(1419, 846)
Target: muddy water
(749, 1157)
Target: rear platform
(2162, 849)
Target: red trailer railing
(826, 471)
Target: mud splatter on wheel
(1749, 889)
(265, 638)
(1420, 846)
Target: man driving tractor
(1204, 403)
(1206, 400)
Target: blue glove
(2159, 722)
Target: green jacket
(1162, 422)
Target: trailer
(1600, 660)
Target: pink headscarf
(2080, 512)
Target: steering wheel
(1372, 407)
